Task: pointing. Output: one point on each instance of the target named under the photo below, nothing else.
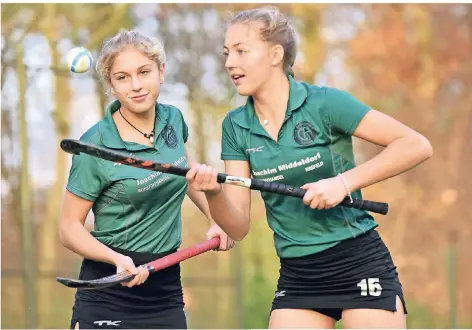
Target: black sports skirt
(356, 273)
(157, 303)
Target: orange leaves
(419, 46)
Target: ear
(277, 55)
(161, 73)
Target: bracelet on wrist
(346, 185)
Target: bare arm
(75, 237)
(229, 205)
(200, 200)
(405, 148)
(198, 197)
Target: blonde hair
(124, 39)
(277, 30)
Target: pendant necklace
(149, 136)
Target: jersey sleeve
(344, 110)
(231, 148)
(184, 128)
(86, 177)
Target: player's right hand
(203, 178)
(123, 263)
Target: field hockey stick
(77, 147)
(152, 267)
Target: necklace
(149, 136)
(265, 122)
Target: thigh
(299, 319)
(365, 318)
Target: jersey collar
(248, 119)
(112, 139)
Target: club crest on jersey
(304, 133)
(169, 136)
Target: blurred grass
(12, 303)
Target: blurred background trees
(411, 61)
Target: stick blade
(104, 282)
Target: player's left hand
(226, 243)
(324, 194)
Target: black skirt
(157, 303)
(356, 273)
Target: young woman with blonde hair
(137, 212)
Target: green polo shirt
(314, 143)
(135, 209)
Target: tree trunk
(27, 225)
(48, 249)
(200, 132)
(312, 45)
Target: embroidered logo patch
(304, 133)
(169, 136)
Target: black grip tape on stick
(279, 188)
